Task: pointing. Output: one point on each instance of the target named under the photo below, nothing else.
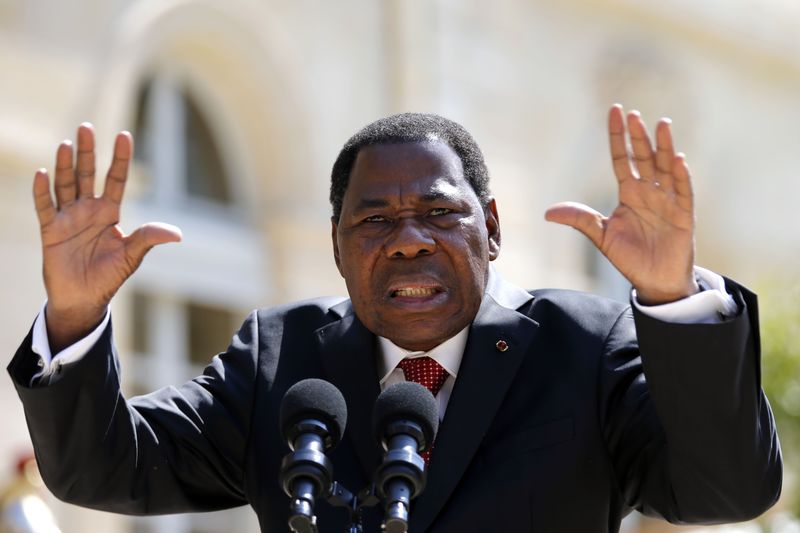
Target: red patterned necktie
(428, 373)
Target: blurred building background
(239, 108)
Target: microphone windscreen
(314, 399)
(406, 401)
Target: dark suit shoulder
(314, 312)
(286, 333)
(589, 312)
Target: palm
(649, 237)
(86, 255)
(84, 252)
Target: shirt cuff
(709, 306)
(40, 345)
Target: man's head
(406, 128)
(412, 237)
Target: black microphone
(405, 419)
(313, 416)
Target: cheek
(468, 250)
(475, 240)
(357, 262)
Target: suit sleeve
(689, 429)
(178, 449)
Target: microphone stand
(341, 497)
(303, 520)
(307, 470)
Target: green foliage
(780, 363)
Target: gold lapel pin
(501, 345)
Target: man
(548, 421)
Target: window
(189, 299)
(206, 328)
(177, 146)
(205, 173)
(209, 330)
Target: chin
(418, 339)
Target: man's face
(413, 243)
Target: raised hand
(649, 237)
(86, 255)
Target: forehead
(406, 168)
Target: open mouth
(414, 292)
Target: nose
(409, 239)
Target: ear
(492, 228)
(334, 240)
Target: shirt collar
(448, 354)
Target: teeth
(414, 292)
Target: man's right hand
(86, 255)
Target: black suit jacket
(559, 433)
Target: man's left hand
(649, 237)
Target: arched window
(177, 146)
(185, 304)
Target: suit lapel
(483, 379)
(347, 349)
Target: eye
(376, 218)
(439, 211)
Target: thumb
(148, 235)
(583, 218)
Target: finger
(141, 241)
(118, 171)
(581, 217)
(642, 148)
(665, 153)
(682, 182)
(65, 176)
(84, 169)
(619, 148)
(42, 199)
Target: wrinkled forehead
(418, 165)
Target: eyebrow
(435, 195)
(371, 203)
(427, 198)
